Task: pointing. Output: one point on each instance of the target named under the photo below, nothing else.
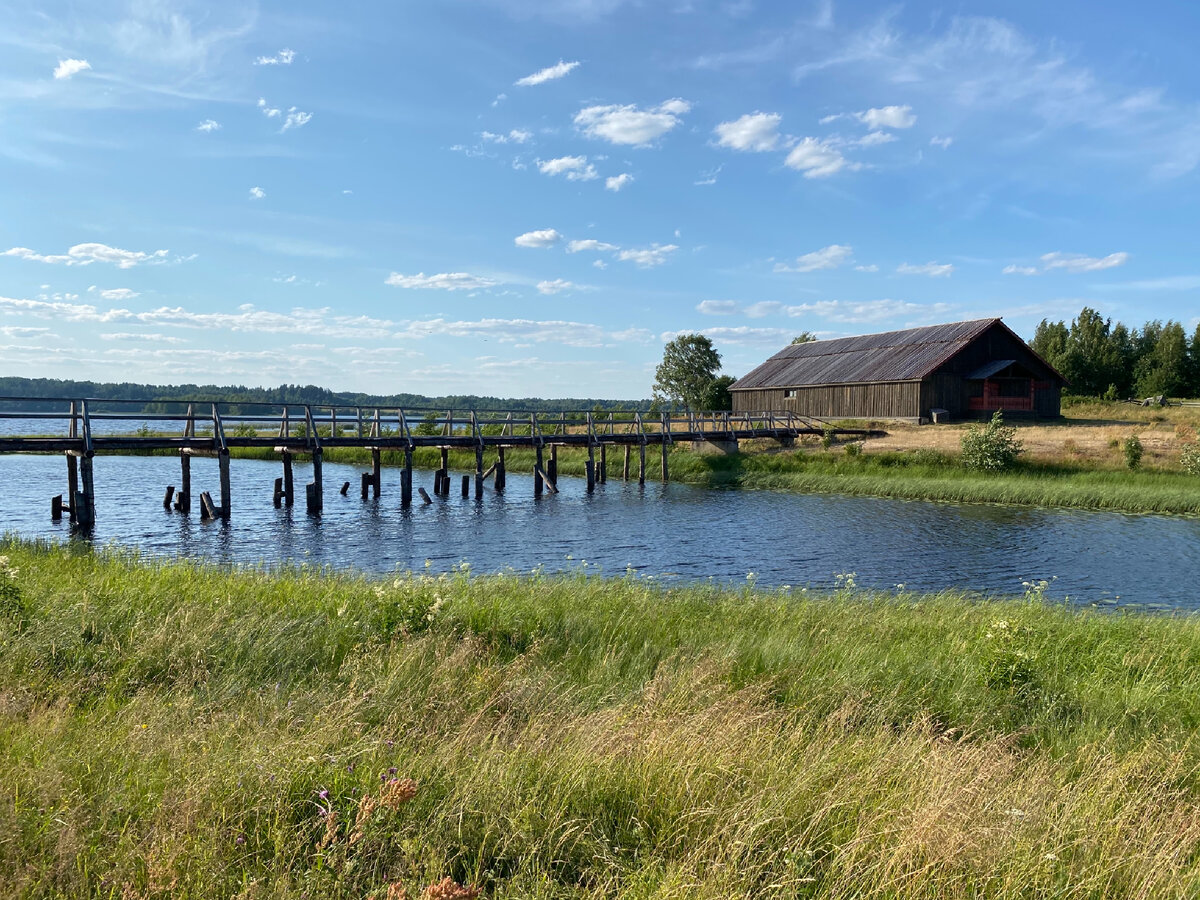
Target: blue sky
(518, 198)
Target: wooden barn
(967, 369)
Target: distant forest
(1105, 360)
(286, 393)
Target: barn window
(789, 394)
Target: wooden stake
(550, 485)
(86, 498)
(367, 478)
(72, 484)
(167, 499)
(664, 458)
(56, 508)
(424, 496)
(376, 472)
(500, 472)
(406, 476)
(552, 469)
(590, 467)
(185, 483)
(207, 509)
(537, 472)
(479, 473)
(277, 497)
(289, 491)
(625, 468)
(466, 485)
(642, 463)
(223, 465)
(314, 495)
(604, 464)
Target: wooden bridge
(80, 429)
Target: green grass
(920, 475)
(167, 730)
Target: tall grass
(175, 730)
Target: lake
(668, 532)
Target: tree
(1163, 364)
(1193, 389)
(689, 366)
(717, 396)
(804, 337)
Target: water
(671, 531)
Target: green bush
(992, 447)
(854, 450)
(1190, 458)
(1133, 451)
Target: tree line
(292, 394)
(1101, 359)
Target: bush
(827, 437)
(1190, 459)
(992, 447)
(854, 450)
(1133, 451)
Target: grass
(175, 730)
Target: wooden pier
(81, 429)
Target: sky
(528, 199)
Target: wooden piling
(167, 497)
(376, 472)
(445, 471)
(223, 465)
(56, 508)
(603, 473)
(537, 472)
(590, 467)
(366, 484)
(642, 463)
(345, 491)
(479, 473)
(424, 496)
(406, 475)
(314, 495)
(665, 447)
(185, 483)
(72, 483)
(86, 499)
(552, 469)
(625, 467)
(277, 496)
(500, 471)
(207, 509)
(289, 492)
(549, 485)
(466, 485)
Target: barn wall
(895, 400)
(997, 343)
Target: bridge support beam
(479, 473)
(72, 484)
(289, 487)
(603, 473)
(84, 502)
(406, 479)
(315, 497)
(665, 448)
(537, 472)
(552, 470)
(642, 463)
(498, 483)
(376, 472)
(223, 466)
(625, 467)
(183, 499)
(590, 467)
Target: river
(668, 532)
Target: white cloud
(871, 268)
(817, 159)
(887, 117)
(616, 182)
(141, 337)
(874, 138)
(295, 119)
(826, 258)
(871, 311)
(717, 307)
(740, 334)
(1020, 270)
(1071, 262)
(647, 258)
(557, 286)
(932, 269)
(516, 136)
(86, 254)
(757, 132)
(282, 58)
(547, 237)
(257, 193)
(118, 294)
(18, 331)
(599, 264)
(208, 126)
(590, 244)
(445, 281)
(762, 308)
(68, 67)
(576, 168)
(630, 125)
(707, 178)
(942, 142)
(269, 111)
(524, 331)
(550, 73)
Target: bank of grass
(914, 475)
(172, 730)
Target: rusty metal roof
(907, 355)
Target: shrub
(1190, 458)
(854, 450)
(1133, 451)
(827, 437)
(992, 447)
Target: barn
(969, 369)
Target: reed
(178, 730)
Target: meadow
(177, 730)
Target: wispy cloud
(257, 193)
(887, 117)
(932, 269)
(629, 125)
(1073, 262)
(557, 286)
(444, 281)
(282, 58)
(872, 311)
(295, 119)
(524, 331)
(86, 254)
(208, 126)
(647, 258)
(546, 237)
(818, 159)
(590, 244)
(575, 168)
(550, 73)
(616, 182)
(826, 258)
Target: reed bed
(177, 730)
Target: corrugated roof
(907, 355)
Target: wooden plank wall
(861, 401)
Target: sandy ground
(1088, 433)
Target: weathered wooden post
(184, 502)
(625, 467)
(604, 463)
(223, 466)
(56, 508)
(537, 471)
(315, 496)
(552, 469)
(445, 471)
(424, 495)
(666, 434)
(167, 497)
(466, 486)
(86, 498)
(500, 472)
(277, 496)
(642, 461)
(376, 472)
(590, 468)
(72, 467)
(289, 487)
(406, 479)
